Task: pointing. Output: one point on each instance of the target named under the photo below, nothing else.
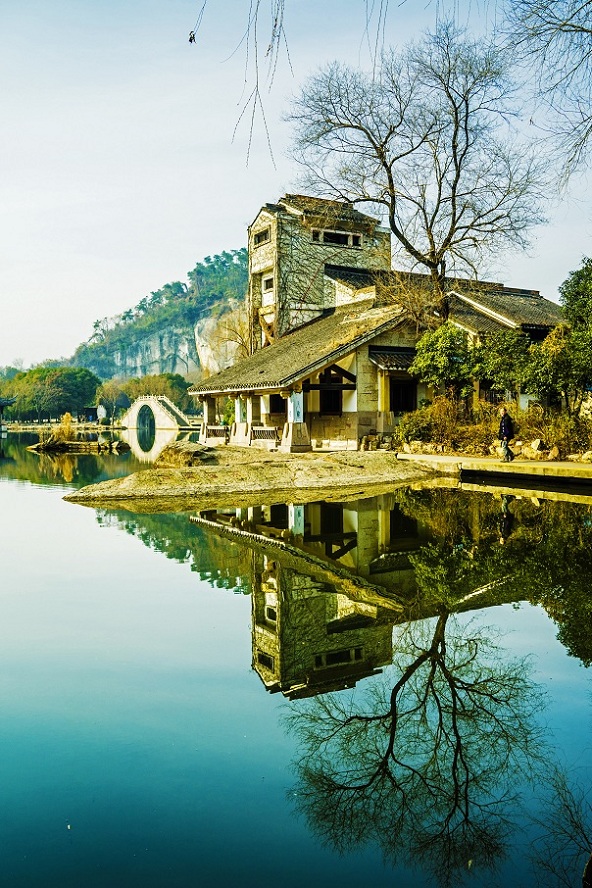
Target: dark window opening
(402, 525)
(277, 404)
(336, 237)
(330, 400)
(265, 660)
(271, 614)
(331, 518)
(331, 403)
(403, 395)
(338, 658)
(267, 284)
(262, 237)
(536, 334)
(488, 394)
(334, 658)
(278, 516)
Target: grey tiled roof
(472, 303)
(305, 351)
(354, 277)
(471, 319)
(391, 357)
(334, 210)
(520, 307)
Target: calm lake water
(393, 691)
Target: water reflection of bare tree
(562, 853)
(426, 767)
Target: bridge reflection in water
(146, 441)
(152, 422)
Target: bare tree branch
(426, 138)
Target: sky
(125, 159)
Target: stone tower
(290, 243)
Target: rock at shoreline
(184, 453)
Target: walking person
(505, 434)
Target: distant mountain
(170, 331)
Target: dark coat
(506, 428)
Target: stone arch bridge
(159, 411)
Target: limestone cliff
(188, 350)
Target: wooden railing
(265, 433)
(217, 431)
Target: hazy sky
(118, 168)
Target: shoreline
(245, 479)
(240, 477)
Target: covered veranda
(313, 384)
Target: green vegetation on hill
(213, 286)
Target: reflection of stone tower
(290, 243)
(309, 639)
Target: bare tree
(555, 40)
(564, 847)
(232, 332)
(264, 42)
(426, 139)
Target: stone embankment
(536, 450)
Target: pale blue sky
(118, 169)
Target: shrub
(439, 422)
(568, 432)
(436, 422)
(65, 431)
(415, 426)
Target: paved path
(454, 465)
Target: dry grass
(443, 422)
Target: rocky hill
(180, 328)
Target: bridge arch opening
(146, 429)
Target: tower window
(262, 237)
(265, 660)
(340, 238)
(336, 238)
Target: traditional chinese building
(330, 332)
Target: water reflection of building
(309, 638)
(319, 622)
(367, 536)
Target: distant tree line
(48, 392)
